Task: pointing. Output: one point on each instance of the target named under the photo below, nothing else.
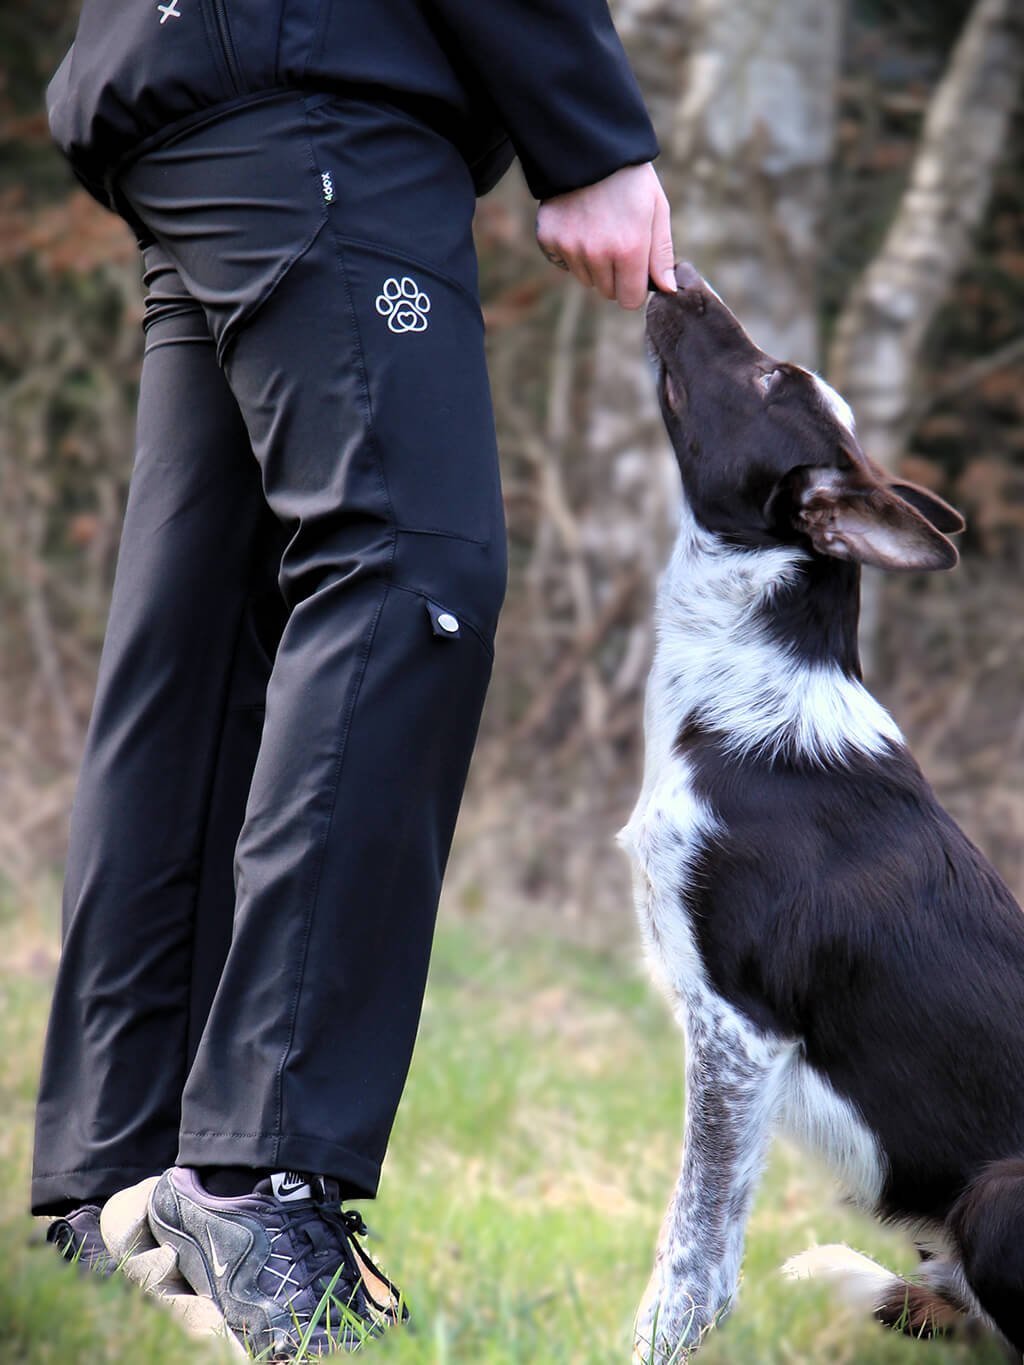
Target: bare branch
(969, 375)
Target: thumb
(662, 266)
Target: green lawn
(534, 1151)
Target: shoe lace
(352, 1220)
(322, 1250)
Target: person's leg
(172, 741)
(263, 618)
(330, 243)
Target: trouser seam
(446, 535)
(371, 436)
(364, 385)
(246, 316)
(407, 257)
(189, 976)
(90, 1170)
(328, 824)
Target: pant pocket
(430, 407)
(235, 201)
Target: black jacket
(546, 79)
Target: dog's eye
(767, 381)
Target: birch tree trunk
(744, 99)
(876, 354)
(750, 146)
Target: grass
(532, 1157)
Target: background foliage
(558, 759)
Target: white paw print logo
(404, 304)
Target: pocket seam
(487, 647)
(398, 254)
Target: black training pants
(312, 303)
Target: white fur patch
(835, 402)
(860, 1282)
(864, 1285)
(819, 1120)
(717, 665)
(665, 837)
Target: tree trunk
(876, 354)
(743, 97)
(745, 154)
(750, 146)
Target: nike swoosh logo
(219, 1267)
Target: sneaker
(280, 1263)
(77, 1237)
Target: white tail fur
(860, 1282)
(936, 1300)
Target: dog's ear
(850, 516)
(941, 515)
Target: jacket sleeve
(556, 72)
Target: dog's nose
(686, 276)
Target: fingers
(662, 268)
(613, 235)
(631, 278)
(580, 268)
(617, 275)
(562, 251)
(601, 265)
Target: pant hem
(358, 1175)
(59, 1192)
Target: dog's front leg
(733, 1080)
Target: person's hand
(614, 235)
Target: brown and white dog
(847, 967)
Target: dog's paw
(672, 1321)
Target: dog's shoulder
(780, 875)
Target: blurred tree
(875, 357)
(744, 99)
(781, 214)
(745, 104)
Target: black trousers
(299, 643)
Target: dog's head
(767, 450)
